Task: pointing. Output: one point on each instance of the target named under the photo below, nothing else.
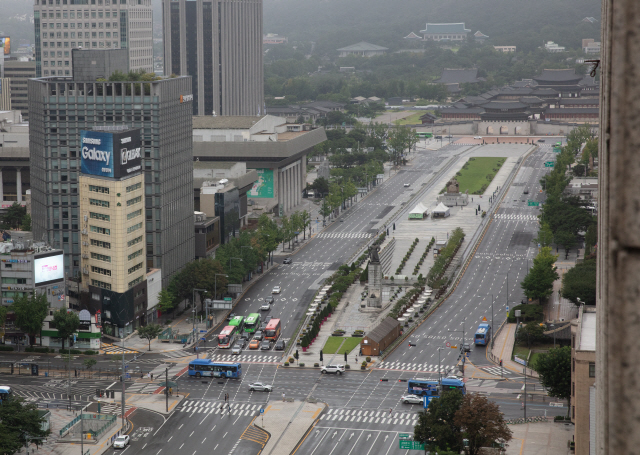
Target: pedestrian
(151, 376)
(390, 411)
(229, 409)
(356, 360)
(75, 372)
(283, 396)
(141, 375)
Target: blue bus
(5, 392)
(208, 368)
(453, 384)
(423, 387)
(483, 334)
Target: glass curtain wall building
(60, 108)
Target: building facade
(61, 27)
(19, 72)
(61, 108)
(445, 32)
(583, 378)
(219, 44)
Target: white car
(121, 442)
(260, 387)
(265, 307)
(332, 369)
(276, 290)
(413, 399)
(477, 137)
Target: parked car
(280, 345)
(265, 345)
(265, 307)
(121, 442)
(287, 261)
(276, 290)
(448, 136)
(269, 299)
(413, 399)
(237, 349)
(260, 387)
(332, 369)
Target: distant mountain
(526, 23)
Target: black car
(540, 140)
(412, 343)
(267, 319)
(280, 345)
(287, 261)
(269, 299)
(437, 137)
(231, 316)
(245, 336)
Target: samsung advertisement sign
(110, 154)
(48, 269)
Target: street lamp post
(492, 339)
(195, 313)
(463, 322)
(439, 367)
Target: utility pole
(166, 388)
(123, 385)
(525, 392)
(69, 372)
(439, 367)
(492, 319)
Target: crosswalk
(343, 235)
(246, 358)
(178, 354)
(174, 370)
(497, 371)
(114, 408)
(513, 217)
(219, 407)
(427, 368)
(365, 416)
(488, 383)
(141, 387)
(115, 349)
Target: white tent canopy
(441, 210)
(419, 211)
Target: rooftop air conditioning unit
(84, 232)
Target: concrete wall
(504, 128)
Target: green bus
(237, 321)
(252, 323)
(422, 135)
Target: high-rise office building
(219, 44)
(60, 108)
(61, 26)
(19, 72)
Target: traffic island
(287, 422)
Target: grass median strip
(477, 173)
(332, 346)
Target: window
(134, 255)
(99, 216)
(99, 189)
(130, 243)
(9, 280)
(135, 267)
(101, 244)
(133, 228)
(134, 282)
(135, 186)
(100, 270)
(592, 366)
(100, 257)
(100, 230)
(99, 203)
(134, 214)
(101, 284)
(135, 200)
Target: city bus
(238, 323)
(453, 384)
(5, 392)
(483, 334)
(252, 323)
(424, 135)
(208, 368)
(423, 387)
(226, 337)
(272, 331)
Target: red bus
(272, 332)
(226, 337)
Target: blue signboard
(427, 400)
(97, 153)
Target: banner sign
(108, 154)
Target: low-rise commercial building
(583, 378)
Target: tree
(321, 185)
(545, 235)
(13, 215)
(401, 138)
(268, 233)
(89, 363)
(20, 425)
(166, 301)
(554, 369)
(481, 422)
(30, 311)
(149, 332)
(325, 210)
(66, 322)
(305, 219)
(26, 223)
(566, 239)
(531, 333)
(436, 427)
(580, 283)
(538, 284)
(590, 238)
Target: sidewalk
(503, 348)
(542, 438)
(287, 422)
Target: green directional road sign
(411, 445)
(531, 203)
(549, 164)
(404, 435)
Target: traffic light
(296, 355)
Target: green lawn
(333, 343)
(477, 174)
(413, 119)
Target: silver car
(259, 387)
(236, 349)
(413, 399)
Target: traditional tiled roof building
(445, 32)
